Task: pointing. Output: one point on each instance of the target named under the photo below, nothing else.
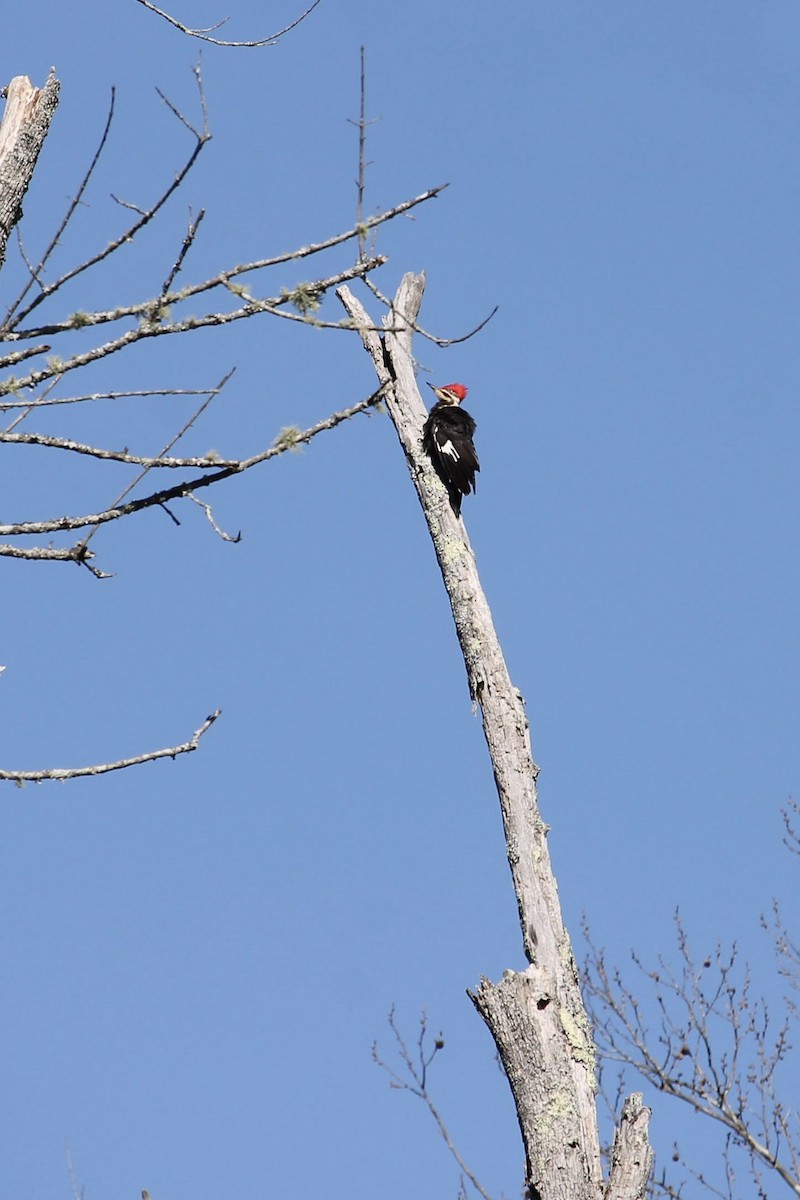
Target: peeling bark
(536, 1016)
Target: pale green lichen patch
(453, 550)
(558, 1108)
(306, 297)
(580, 1043)
(288, 439)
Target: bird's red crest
(457, 388)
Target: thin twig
(362, 124)
(207, 509)
(184, 120)
(223, 278)
(187, 426)
(28, 410)
(191, 234)
(204, 35)
(153, 327)
(46, 401)
(415, 1081)
(431, 337)
(287, 440)
(128, 234)
(120, 456)
(715, 1047)
(36, 272)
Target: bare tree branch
(188, 241)
(361, 124)
(212, 395)
(48, 401)
(415, 1081)
(715, 1048)
(36, 272)
(58, 443)
(791, 838)
(364, 227)
(152, 315)
(18, 356)
(41, 553)
(202, 137)
(225, 277)
(207, 509)
(288, 439)
(63, 773)
(204, 35)
(153, 327)
(432, 337)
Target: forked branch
(715, 1045)
(287, 439)
(204, 35)
(413, 1078)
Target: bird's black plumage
(447, 440)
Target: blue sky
(199, 955)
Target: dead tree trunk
(26, 120)
(536, 1016)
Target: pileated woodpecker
(447, 440)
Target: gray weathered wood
(536, 1016)
(631, 1154)
(24, 127)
